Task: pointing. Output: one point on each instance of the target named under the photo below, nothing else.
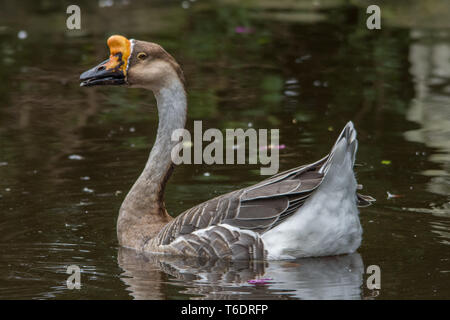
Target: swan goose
(307, 211)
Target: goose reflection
(163, 277)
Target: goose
(308, 211)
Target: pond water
(69, 155)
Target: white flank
(328, 222)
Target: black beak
(103, 74)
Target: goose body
(307, 211)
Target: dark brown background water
(306, 67)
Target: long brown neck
(143, 211)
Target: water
(68, 155)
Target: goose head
(134, 63)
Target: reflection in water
(338, 277)
(430, 67)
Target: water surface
(69, 155)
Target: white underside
(328, 222)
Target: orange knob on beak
(112, 71)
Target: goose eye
(142, 55)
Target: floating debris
(185, 4)
(22, 35)
(386, 162)
(105, 3)
(83, 203)
(259, 281)
(85, 178)
(2, 164)
(242, 29)
(117, 192)
(75, 157)
(86, 189)
(391, 196)
(291, 81)
(207, 174)
(302, 58)
(291, 93)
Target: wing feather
(220, 242)
(257, 208)
(231, 225)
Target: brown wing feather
(221, 242)
(257, 208)
(230, 226)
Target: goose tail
(344, 149)
(341, 160)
